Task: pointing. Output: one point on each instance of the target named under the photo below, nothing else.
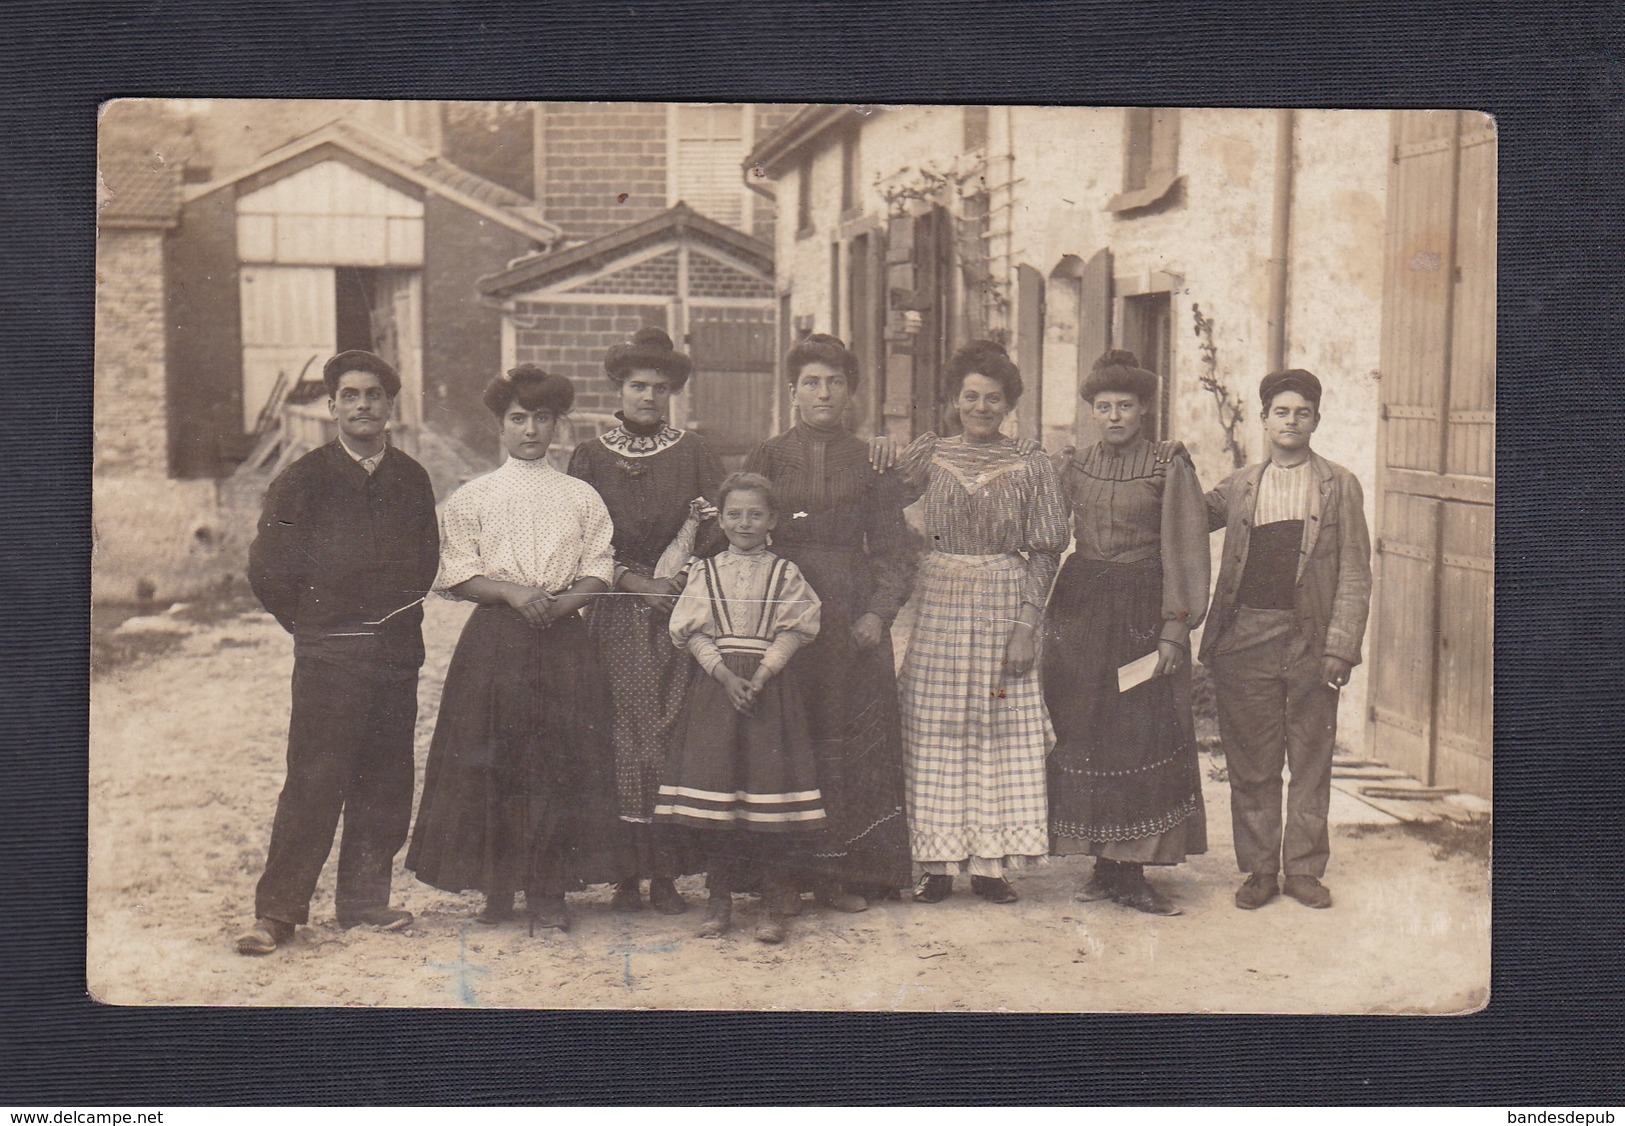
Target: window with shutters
(1150, 157)
(708, 148)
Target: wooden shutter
(1094, 331)
(1433, 615)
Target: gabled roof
(139, 192)
(675, 223)
(779, 147)
(409, 161)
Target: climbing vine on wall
(1232, 410)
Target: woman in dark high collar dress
(1124, 785)
(656, 480)
(842, 525)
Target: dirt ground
(187, 745)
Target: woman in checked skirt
(975, 730)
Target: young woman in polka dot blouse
(518, 776)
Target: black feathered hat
(648, 348)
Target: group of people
(672, 670)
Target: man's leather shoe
(1259, 889)
(1308, 891)
(994, 889)
(664, 896)
(383, 918)
(933, 888)
(626, 898)
(264, 936)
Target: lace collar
(622, 441)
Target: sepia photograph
(801, 557)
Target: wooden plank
(1469, 490)
(1464, 660)
(1400, 712)
(1471, 439)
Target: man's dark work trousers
(349, 751)
(1275, 708)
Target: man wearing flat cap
(346, 550)
(1284, 632)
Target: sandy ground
(187, 750)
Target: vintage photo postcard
(798, 557)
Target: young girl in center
(742, 767)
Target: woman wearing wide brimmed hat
(1124, 784)
(658, 483)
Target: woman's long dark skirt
(1123, 778)
(851, 696)
(518, 794)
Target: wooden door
(289, 317)
(732, 389)
(1433, 610)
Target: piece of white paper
(1136, 672)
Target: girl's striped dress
(730, 771)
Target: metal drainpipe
(1281, 236)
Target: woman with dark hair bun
(1124, 785)
(974, 727)
(842, 524)
(657, 482)
(516, 784)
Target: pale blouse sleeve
(796, 611)
(1185, 562)
(597, 556)
(460, 558)
(691, 626)
(1047, 530)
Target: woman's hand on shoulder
(1027, 447)
(1170, 448)
(883, 452)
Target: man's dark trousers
(1276, 709)
(350, 740)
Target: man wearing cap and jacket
(347, 548)
(1284, 633)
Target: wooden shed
(344, 238)
(708, 285)
(1433, 621)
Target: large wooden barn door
(1433, 619)
(289, 322)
